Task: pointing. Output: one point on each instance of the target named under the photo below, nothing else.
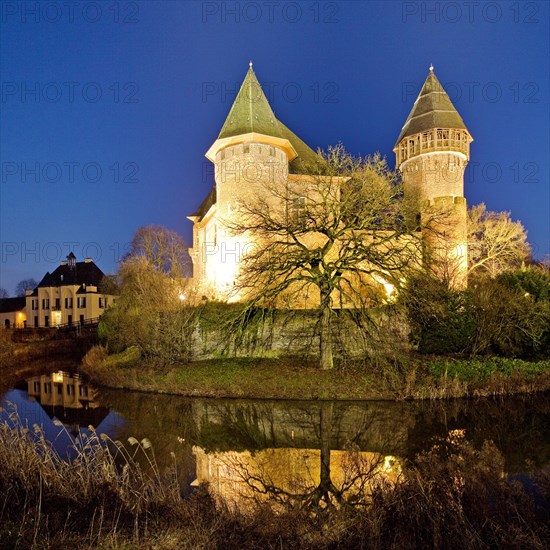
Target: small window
(59, 389)
(101, 302)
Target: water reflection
(308, 471)
(307, 451)
(63, 405)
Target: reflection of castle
(237, 478)
(296, 448)
(67, 397)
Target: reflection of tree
(314, 478)
(224, 425)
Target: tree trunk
(325, 340)
(325, 436)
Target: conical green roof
(250, 111)
(432, 109)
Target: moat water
(282, 438)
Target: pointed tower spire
(250, 111)
(251, 119)
(433, 108)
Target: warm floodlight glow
(57, 376)
(391, 464)
(56, 318)
(388, 287)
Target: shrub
(440, 318)
(149, 314)
(533, 281)
(509, 322)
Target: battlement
(449, 200)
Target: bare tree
(338, 235)
(152, 312)
(495, 242)
(3, 293)
(24, 285)
(165, 250)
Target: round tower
(432, 153)
(250, 156)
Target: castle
(254, 148)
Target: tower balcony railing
(433, 141)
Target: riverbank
(421, 377)
(21, 359)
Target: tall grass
(109, 496)
(107, 492)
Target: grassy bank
(19, 360)
(417, 378)
(454, 496)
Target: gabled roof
(306, 155)
(205, 205)
(433, 108)
(82, 273)
(8, 305)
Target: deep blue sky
(168, 71)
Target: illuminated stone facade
(254, 150)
